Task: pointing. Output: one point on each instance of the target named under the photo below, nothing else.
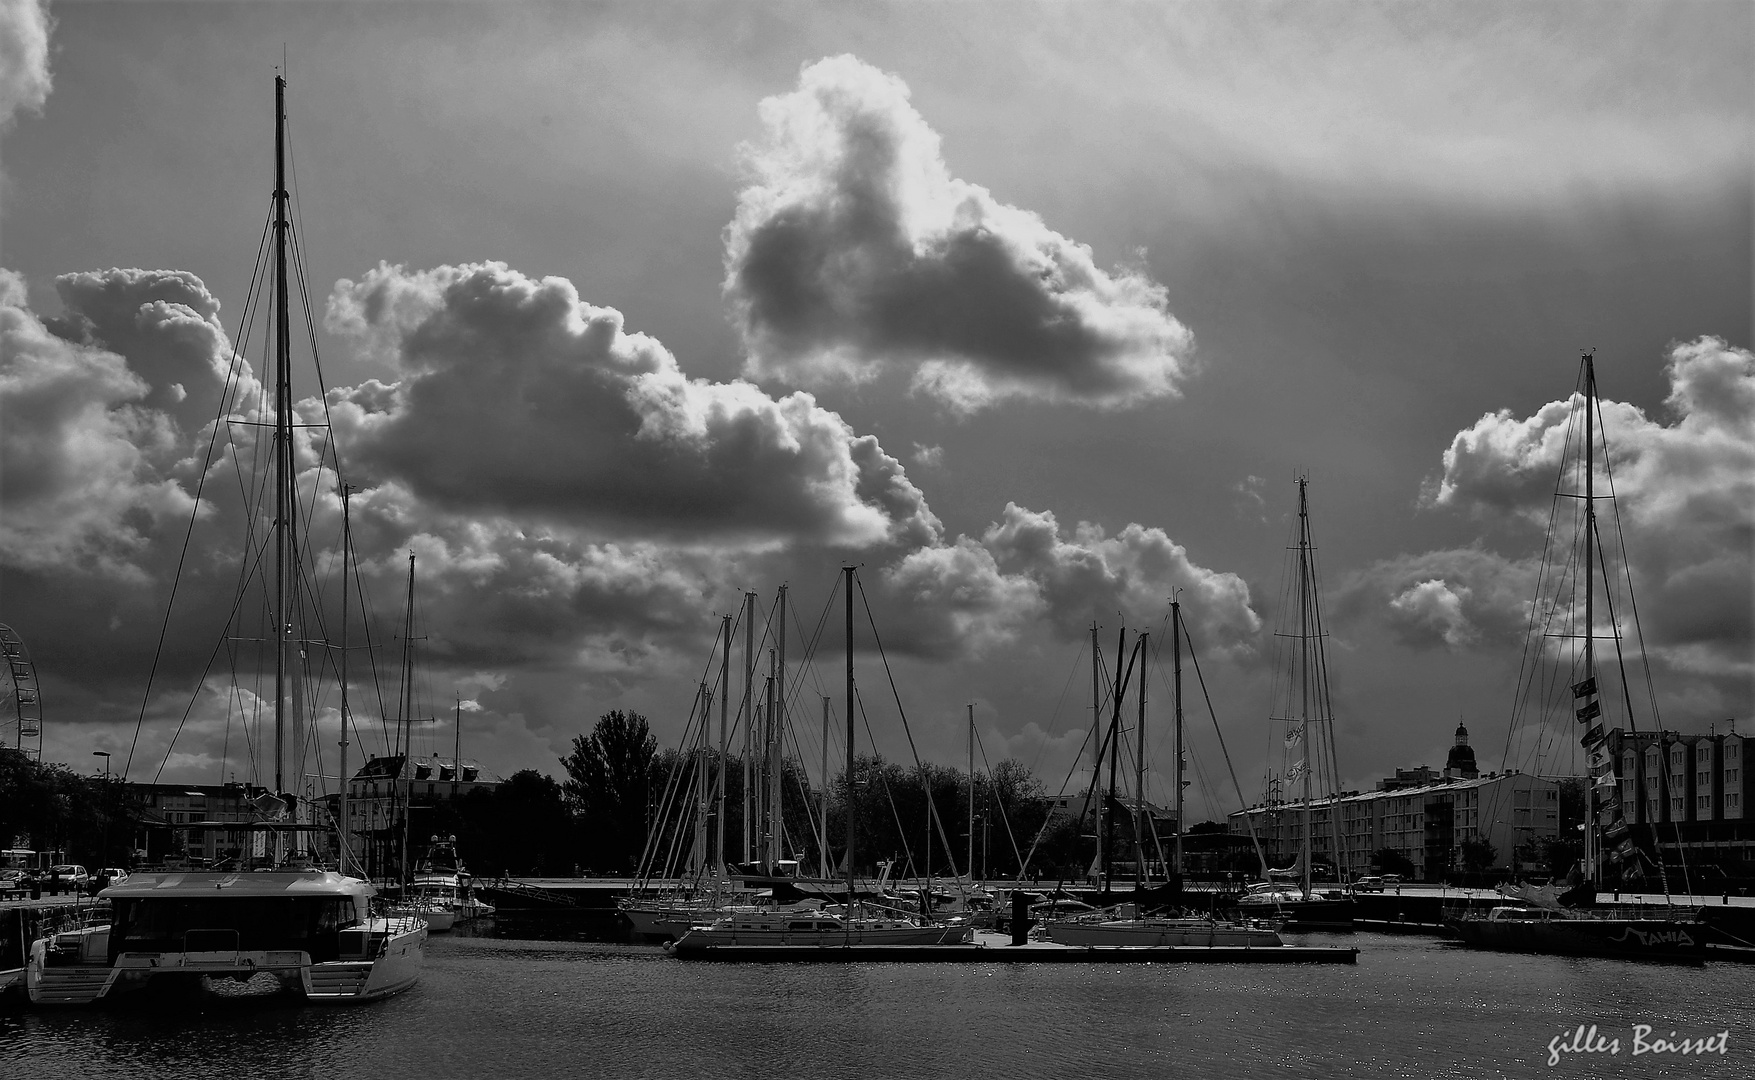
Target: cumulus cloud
(1685, 496)
(24, 57)
(854, 250)
(1023, 569)
(84, 485)
(1459, 598)
(516, 396)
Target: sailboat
(1131, 926)
(707, 893)
(1308, 719)
(289, 926)
(1549, 924)
(850, 925)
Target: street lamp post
(105, 805)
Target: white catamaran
(282, 925)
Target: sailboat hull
(1664, 940)
(1161, 933)
(1314, 913)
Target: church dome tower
(1462, 757)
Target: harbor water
(491, 1006)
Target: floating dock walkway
(991, 948)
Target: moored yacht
(1619, 848)
(307, 932)
(824, 929)
(1115, 929)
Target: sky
(1034, 312)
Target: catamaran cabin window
(162, 924)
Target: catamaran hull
(142, 977)
(1626, 939)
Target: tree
(610, 780)
(1478, 855)
(86, 819)
(1390, 861)
(520, 827)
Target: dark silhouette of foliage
(612, 777)
(83, 819)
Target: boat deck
(992, 948)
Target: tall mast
(701, 780)
(1176, 687)
(1107, 845)
(1139, 773)
(1096, 724)
(346, 550)
(406, 735)
(1139, 770)
(847, 571)
(284, 505)
(971, 863)
(1304, 663)
(724, 693)
(1590, 537)
(766, 835)
(749, 718)
(777, 729)
(823, 809)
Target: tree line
(623, 803)
(67, 817)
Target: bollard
(1020, 917)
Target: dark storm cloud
(517, 397)
(855, 250)
(1463, 598)
(85, 478)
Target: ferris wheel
(21, 703)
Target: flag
(1617, 830)
(1593, 736)
(1293, 735)
(1295, 771)
(1588, 686)
(1590, 712)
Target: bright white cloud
(855, 250)
(1685, 496)
(24, 57)
(1023, 571)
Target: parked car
(1368, 883)
(112, 875)
(70, 875)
